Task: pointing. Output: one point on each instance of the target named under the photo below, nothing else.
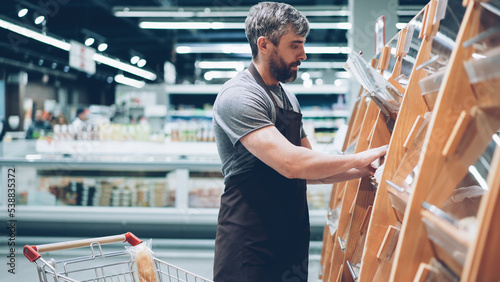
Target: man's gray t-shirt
(242, 106)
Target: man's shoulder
(242, 81)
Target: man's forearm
(345, 176)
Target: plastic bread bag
(143, 257)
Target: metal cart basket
(99, 266)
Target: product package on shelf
(205, 190)
(383, 93)
(102, 191)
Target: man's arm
(291, 161)
(348, 175)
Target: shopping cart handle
(132, 239)
(32, 253)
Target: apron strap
(253, 71)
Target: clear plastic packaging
(483, 69)
(383, 92)
(453, 225)
(485, 66)
(430, 87)
(440, 273)
(332, 219)
(484, 75)
(400, 186)
(143, 256)
(450, 244)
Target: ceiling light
(102, 47)
(89, 41)
(482, 182)
(22, 12)
(120, 78)
(322, 65)
(190, 25)
(66, 46)
(305, 76)
(496, 139)
(141, 63)
(35, 35)
(401, 25)
(134, 60)
(340, 25)
(343, 74)
(123, 66)
(235, 12)
(226, 25)
(209, 75)
(244, 48)
(238, 65)
(327, 50)
(39, 19)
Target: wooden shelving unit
(429, 214)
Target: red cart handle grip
(132, 239)
(32, 253)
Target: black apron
(263, 226)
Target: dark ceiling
(72, 19)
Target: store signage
(81, 57)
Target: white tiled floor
(192, 255)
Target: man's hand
(367, 160)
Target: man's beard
(280, 70)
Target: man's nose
(302, 56)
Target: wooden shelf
(449, 112)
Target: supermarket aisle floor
(195, 256)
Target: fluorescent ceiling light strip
(496, 139)
(204, 13)
(120, 78)
(123, 66)
(35, 35)
(243, 64)
(482, 182)
(340, 25)
(226, 25)
(190, 25)
(245, 49)
(401, 25)
(66, 46)
(322, 65)
(152, 14)
(209, 75)
(327, 50)
(220, 64)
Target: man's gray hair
(273, 20)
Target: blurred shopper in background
(39, 127)
(82, 115)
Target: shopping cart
(99, 266)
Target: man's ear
(263, 44)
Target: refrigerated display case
(158, 189)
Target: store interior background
(148, 163)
